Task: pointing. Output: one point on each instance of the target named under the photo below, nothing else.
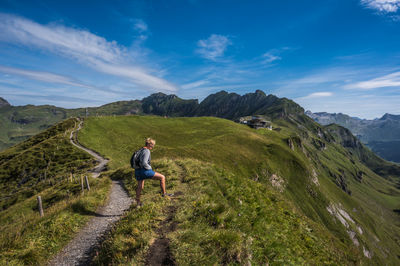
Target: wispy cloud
(214, 47)
(330, 78)
(142, 29)
(391, 80)
(140, 25)
(58, 39)
(138, 76)
(385, 6)
(194, 84)
(343, 88)
(270, 57)
(318, 95)
(43, 76)
(275, 54)
(84, 47)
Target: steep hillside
(42, 166)
(287, 196)
(381, 135)
(355, 147)
(18, 123)
(33, 165)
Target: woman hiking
(145, 171)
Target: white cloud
(69, 42)
(386, 6)
(318, 95)
(194, 84)
(42, 76)
(270, 57)
(391, 80)
(138, 76)
(142, 29)
(214, 47)
(82, 46)
(140, 25)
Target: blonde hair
(150, 140)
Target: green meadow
(246, 195)
(292, 195)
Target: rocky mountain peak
(260, 92)
(390, 117)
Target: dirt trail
(159, 252)
(102, 161)
(81, 249)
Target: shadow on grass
(80, 208)
(122, 173)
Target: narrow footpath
(159, 252)
(80, 250)
(102, 161)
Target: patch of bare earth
(159, 252)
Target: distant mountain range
(21, 122)
(381, 135)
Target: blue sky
(331, 55)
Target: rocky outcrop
(168, 105)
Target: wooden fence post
(87, 183)
(83, 189)
(39, 199)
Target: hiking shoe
(167, 195)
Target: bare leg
(139, 189)
(160, 177)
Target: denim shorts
(142, 174)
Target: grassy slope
(373, 199)
(41, 166)
(235, 162)
(28, 239)
(18, 123)
(37, 163)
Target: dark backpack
(135, 160)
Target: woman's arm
(145, 159)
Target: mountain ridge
(381, 135)
(22, 122)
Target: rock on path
(80, 250)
